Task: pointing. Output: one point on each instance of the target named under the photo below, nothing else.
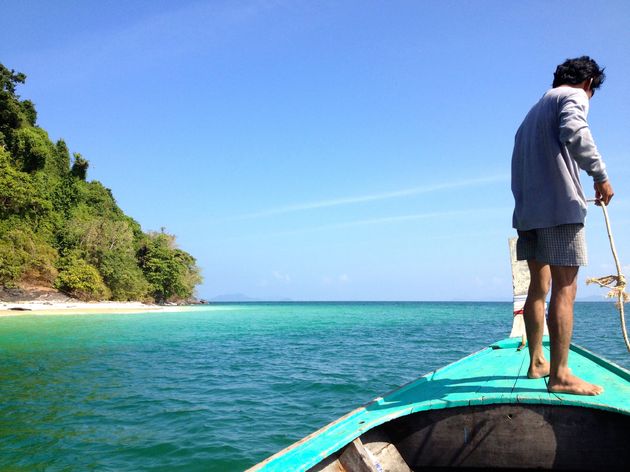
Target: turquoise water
(223, 387)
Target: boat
(480, 412)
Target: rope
(617, 290)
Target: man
(551, 146)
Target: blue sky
(323, 150)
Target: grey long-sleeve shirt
(551, 145)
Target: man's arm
(576, 136)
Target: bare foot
(538, 370)
(573, 385)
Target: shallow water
(222, 387)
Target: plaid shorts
(563, 245)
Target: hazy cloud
(341, 279)
(389, 219)
(371, 197)
(282, 277)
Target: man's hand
(603, 192)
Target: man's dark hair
(574, 71)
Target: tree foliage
(81, 280)
(25, 255)
(61, 161)
(12, 114)
(31, 149)
(171, 272)
(57, 229)
(123, 277)
(79, 166)
(19, 193)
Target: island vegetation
(59, 230)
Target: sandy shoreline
(76, 308)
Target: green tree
(9, 79)
(99, 199)
(13, 114)
(81, 280)
(29, 112)
(108, 245)
(11, 265)
(124, 278)
(79, 166)
(19, 195)
(25, 257)
(96, 235)
(60, 165)
(31, 149)
(171, 272)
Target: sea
(221, 387)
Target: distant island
(60, 231)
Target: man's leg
(560, 321)
(534, 315)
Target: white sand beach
(76, 307)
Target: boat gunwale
(602, 361)
(344, 439)
(358, 410)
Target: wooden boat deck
(494, 375)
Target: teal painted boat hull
(481, 411)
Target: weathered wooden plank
(356, 458)
(391, 460)
(330, 464)
(378, 443)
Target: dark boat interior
(498, 437)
